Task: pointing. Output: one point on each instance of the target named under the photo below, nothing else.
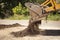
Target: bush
(18, 17)
(20, 10)
(55, 17)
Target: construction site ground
(5, 34)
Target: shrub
(20, 10)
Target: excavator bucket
(36, 11)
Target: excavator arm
(54, 6)
(40, 11)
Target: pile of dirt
(33, 27)
(2, 26)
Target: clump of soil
(2, 26)
(32, 29)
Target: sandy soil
(5, 34)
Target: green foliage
(6, 8)
(18, 7)
(37, 1)
(20, 10)
(40, 1)
(18, 17)
(55, 17)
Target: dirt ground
(5, 34)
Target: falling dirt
(33, 27)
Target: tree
(6, 7)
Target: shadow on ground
(52, 33)
(44, 33)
